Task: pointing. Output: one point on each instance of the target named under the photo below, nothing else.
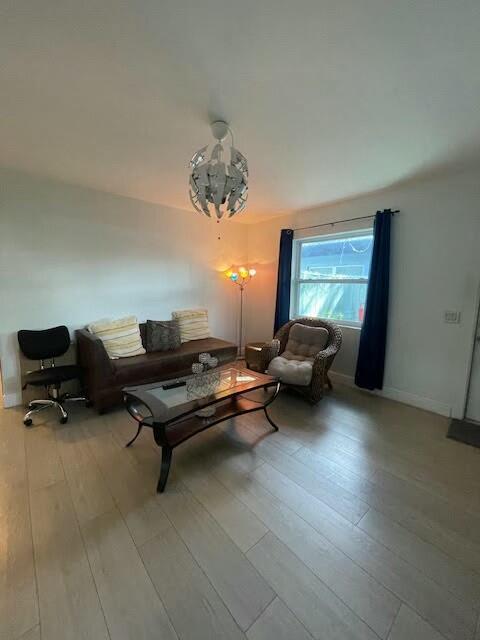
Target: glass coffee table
(178, 409)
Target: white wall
(435, 267)
(71, 255)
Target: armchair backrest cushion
(305, 342)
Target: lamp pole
(242, 287)
(241, 278)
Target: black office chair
(48, 345)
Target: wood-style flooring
(358, 520)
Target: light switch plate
(452, 317)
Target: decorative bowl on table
(204, 382)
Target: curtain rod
(328, 224)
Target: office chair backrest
(48, 343)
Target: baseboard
(12, 400)
(342, 378)
(421, 402)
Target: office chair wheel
(63, 420)
(28, 422)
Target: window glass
(344, 257)
(332, 300)
(331, 276)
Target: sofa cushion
(162, 365)
(162, 335)
(121, 338)
(193, 324)
(305, 342)
(291, 371)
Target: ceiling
(326, 98)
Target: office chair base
(35, 406)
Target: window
(330, 276)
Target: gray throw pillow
(162, 335)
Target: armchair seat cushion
(297, 372)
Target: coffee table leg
(165, 468)
(135, 436)
(275, 428)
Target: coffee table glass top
(198, 391)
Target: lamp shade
(218, 186)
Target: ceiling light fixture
(216, 187)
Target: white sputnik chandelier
(216, 187)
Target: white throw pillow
(121, 338)
(193, 324)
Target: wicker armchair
(322, 361)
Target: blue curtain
(373, 337)
(284, 279)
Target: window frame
(296, 281)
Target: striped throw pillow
(121, 338)
(193, 324)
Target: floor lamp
(240, 278)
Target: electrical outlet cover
(452, 317)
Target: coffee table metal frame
(169, 434)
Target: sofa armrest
(93, 358)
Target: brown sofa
(104, 379)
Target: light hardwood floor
(358, 520)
